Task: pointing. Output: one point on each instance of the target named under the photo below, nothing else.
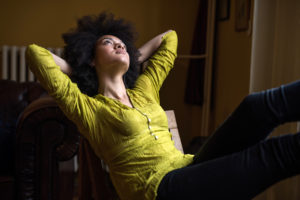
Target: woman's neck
(112, 87)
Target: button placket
(149, 126)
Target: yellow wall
(43, 22)
(232, 68)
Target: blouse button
(149, 127)
(156, 137)
(149, 120)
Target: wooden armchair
(94, 180)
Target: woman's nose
(118, 45)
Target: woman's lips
(120, 52)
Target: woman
(119, 113)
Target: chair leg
(84, 189)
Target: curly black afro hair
(80, 46)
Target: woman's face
(111, 55)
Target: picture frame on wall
(223, 10)
(242, 14)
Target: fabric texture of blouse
(135, 142)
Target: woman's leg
(253, 120)
(241, 175)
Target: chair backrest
(95, 183)
(174, 129)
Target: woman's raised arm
(51, 71)
(160, 53)
(150, 47)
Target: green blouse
(135, 143)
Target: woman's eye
(107, 42)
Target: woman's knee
(252, 102)
(257, 105)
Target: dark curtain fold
(195, 78)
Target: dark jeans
(237, 161)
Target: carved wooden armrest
(44, 136)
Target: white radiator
(13, 63)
